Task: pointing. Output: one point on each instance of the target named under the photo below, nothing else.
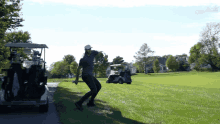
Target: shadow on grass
(101, 114)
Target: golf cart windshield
(27, 49)
(116, 67)
(27, 64)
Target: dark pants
(94, 86)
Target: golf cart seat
(123, 73)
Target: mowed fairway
(164, 98)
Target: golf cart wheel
(107, 81)
(120, 81)
(3, 108)
(129, 83)
(44, 108)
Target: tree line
(204, 52)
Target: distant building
(162, 64)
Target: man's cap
(88, 47)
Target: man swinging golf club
(87, 64)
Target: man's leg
(89, 81)
(98, 85)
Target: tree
(181, 63)
(186, 65)
(69, 59)
(156, 67)
(103, 65)
(9, 19)
(142, 56)
(166, 56)
(73, 67)
(97, 62)
(51, 66)
(60, 69)
(118, 60)
(209, 40)
(140, 67)
(15, 37)
(136, 65)
(9, 16)
(196, 55)
(172, 64)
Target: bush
(171, 63)
(156, 66)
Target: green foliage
(9, 16)
(198, 57)
(69, 59)
(195, 53)
(209, 46)
(118, 60)
(97, 60)
(171, 63)
(16, 37)
(60, 69)
(9, 19)
(183, 65)
(103, 65)
(140, 67)
(136, 65)
(142, 56)
(73, 67)
(156, 66)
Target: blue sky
(116, 27)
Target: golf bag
(33, 89)
(13, 83)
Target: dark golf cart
(119, 76)
(27, 86)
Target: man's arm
(97, 52)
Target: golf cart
(117, 75)
(27, 86)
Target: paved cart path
(27, 115)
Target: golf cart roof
(26, 45)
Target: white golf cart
(27, 86)
(117, 75)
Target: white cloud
(214, 16)
(192, 25)
(173, 50)
(178, 40)
(131, 3)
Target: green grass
(166, 98)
